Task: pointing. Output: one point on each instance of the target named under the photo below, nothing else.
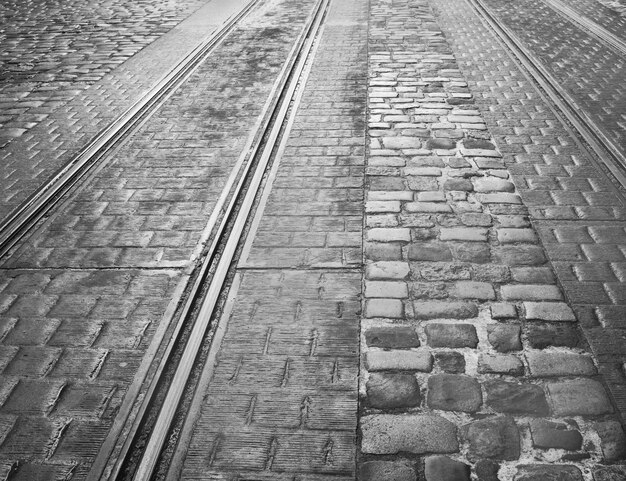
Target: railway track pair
(139, 455)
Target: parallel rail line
(600, 144)
(224, 238)
(21, 221)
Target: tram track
(590, 135)
(17, 225)
(142, 452)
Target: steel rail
(232, 239)
(38, 204)
(573, 16)
(604, 148)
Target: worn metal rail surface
(594, 138)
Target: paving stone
(425, 310)
(392, 337)
(612, 440)
(513, 236)
(391, 308)
(392, 390)
(474, 290)
(504, 337)
(419, 434)
(522, 255)
(495, 437)
(487, 470)
(463, 234)
(578, 397)
(523, 399)
(533, 275)
(432, 251)
(500, 364)
(388, 270)
(458, 184)
(401, 142)
(387, 470)
(451, 335)
(386, 289)
(400, 360)
(549, 311)
(450, 362)
(549, 363)
(442, 468)
(531, 292)
(541, 336)
(381, 234)
(428, 207)
(544, 472)
(609, 473)
(440, 143)
(492, 184)
(453, 392)
(503, 310)
(546, 435)
(471, 252)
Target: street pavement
(432, 287)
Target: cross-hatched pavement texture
(605, 13)
(592, 75)
(100, 280)
(282, 403)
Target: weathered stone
(388, 270)
(443, 271)
(544, 335)
(386, 289)
(548, 472)
(451, 335)
(392, 390)
(442, 468)
(478, 144)
(612, 440)
(504, 337)
(464, 234)
(522, 255)
(547, 363)
(546, 435)
(392, 337)
(499, 198)
(428, 207)
(473, 219)
(513, 236)
(459, 184)
(492, 273)
(579, 397)
(507, 397)
(401, 143)
(487, 470)
(531, 292)
(387, 470)
(474, 252)
(425, 310)
(391, 308)
(450, 361)
(445, 144)
(400, 360)
(474, 290)
(429, 290)
(500, 364)
(495, 437)
(492, 184)
(453, 392)
(503, 310)
(549, 311)
(533, 275)
(432, 251)
(422, 433)
(382, 234)
(609, 473)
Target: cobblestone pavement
(593, 75)
(84, 303)
(473, 362)
(282, 403)
(604, 13)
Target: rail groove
(603, 147)
(39, 204)
(224, 237)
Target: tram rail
(595, 140)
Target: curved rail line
(603, 147)
(37, 205)
(573, 16)
(224, 240)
